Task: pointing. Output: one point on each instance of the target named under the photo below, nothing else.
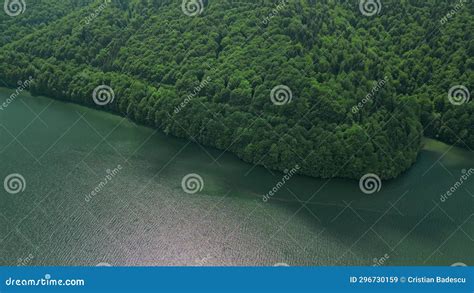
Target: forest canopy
(318, 84)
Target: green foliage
(209, 77)
(37, 15)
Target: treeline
(210, 77)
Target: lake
(99, 189)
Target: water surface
(143, 216)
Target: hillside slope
(19, 20)
(316, 84)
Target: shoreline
(27, 93)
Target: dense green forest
(361, 90)
(39, 14)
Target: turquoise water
(142, 216)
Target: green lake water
(142, 216)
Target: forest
(316, 84)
